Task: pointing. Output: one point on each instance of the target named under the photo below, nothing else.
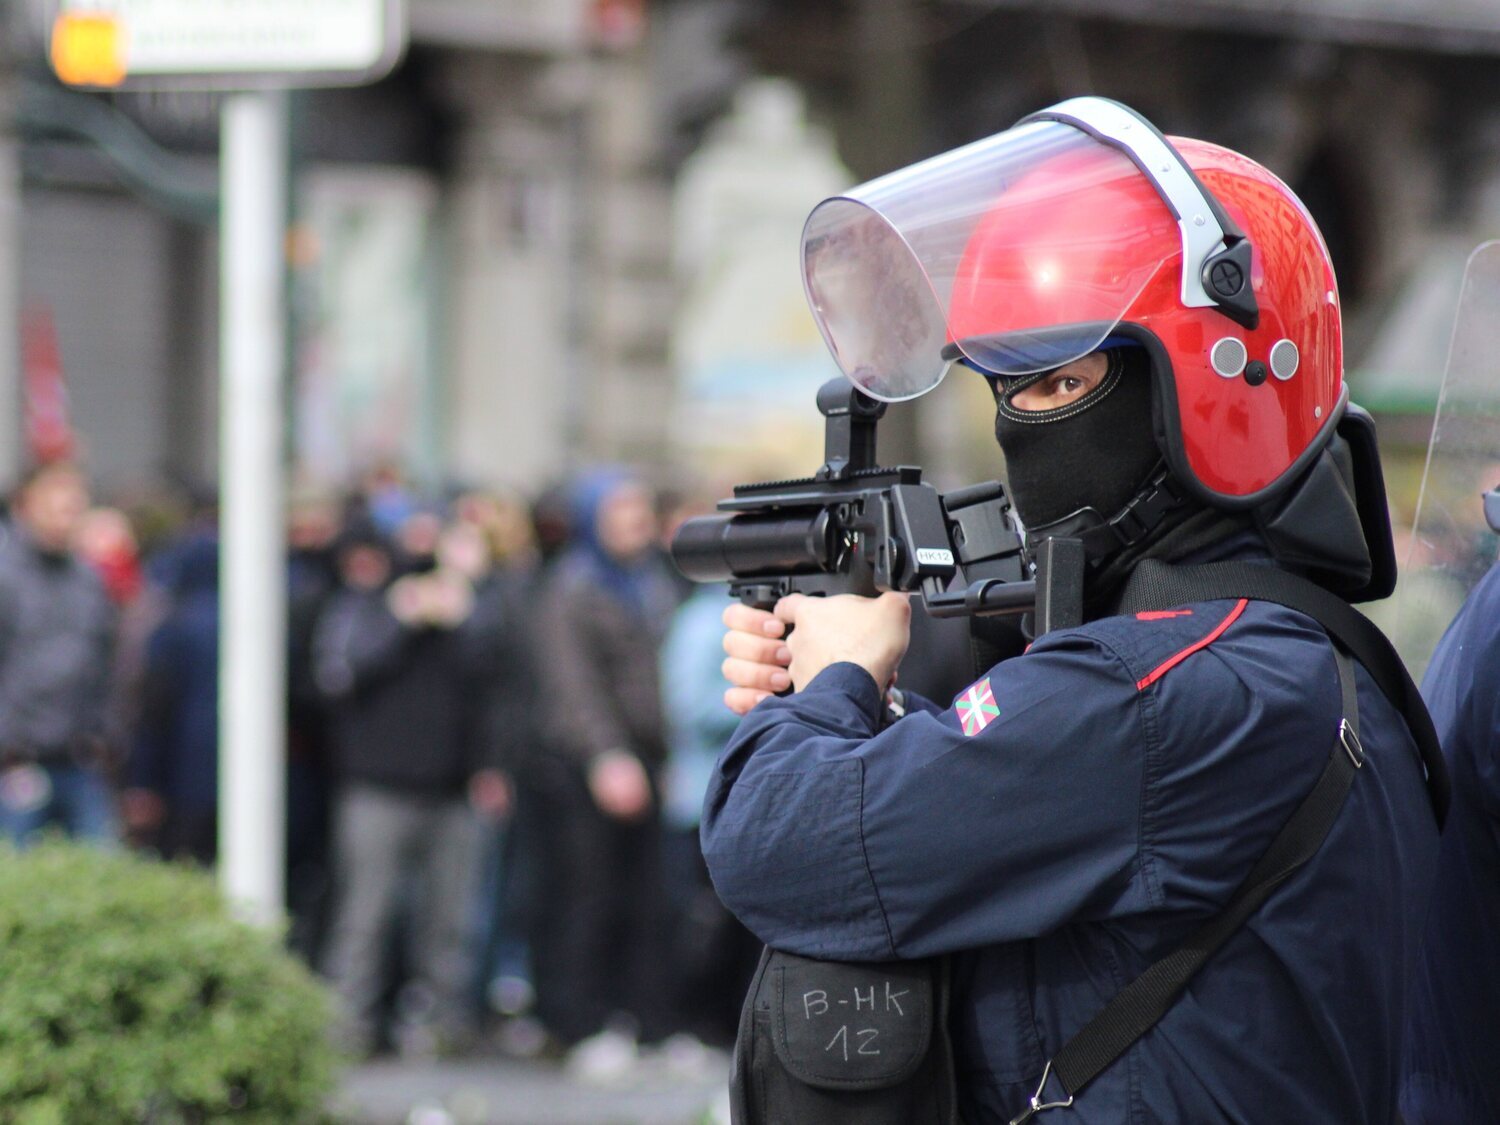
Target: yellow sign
(88, 49)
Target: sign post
(258, 48)
(252, 646)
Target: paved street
(508, 1092)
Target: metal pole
(252, 646)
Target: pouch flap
(851, 1026)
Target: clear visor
(1021, 252)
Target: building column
(890, 84)
(509, 240)
(10, 267)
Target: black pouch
(830, 1043)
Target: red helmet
(1081, 226)
(1246, 396)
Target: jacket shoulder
(1153, 643)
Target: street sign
(224, 44)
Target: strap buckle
(1352, 746)
(1146, 509)
(1036, 1105)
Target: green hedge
(127, 995)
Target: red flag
(49, 436)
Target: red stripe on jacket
(1171, 662)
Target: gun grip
(759, 595)
(789, 689)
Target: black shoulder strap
(1137, 1007)
(1140, 1004)
(1157, 585)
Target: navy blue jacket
(177, 738)
(1451, 1069)
(1060, 839)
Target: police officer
(1449, 1071)
(1159, 322)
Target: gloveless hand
(870, 632)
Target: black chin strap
(1102, 538)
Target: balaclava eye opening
(1096, 452)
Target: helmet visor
(1020, 252)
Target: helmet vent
(1229, 355)
(1284, 359)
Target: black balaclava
(1099, 452)
(1094, 453)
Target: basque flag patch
(977, 708)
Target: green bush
(128, 995)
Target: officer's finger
(762, 650)
(748, 619)
(740, 700)
(750, 674)
(786, 608)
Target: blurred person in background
(552, 522)
(106, 541)
(313, 525)
(170, 800)
(604, 612)
(387, 497)
(511, 889)
(506, 522)
(499, 654)
(713, 955)
(417, 537)
(168, 523)
(394, 660)
(57, 634)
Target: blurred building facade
(482, 255)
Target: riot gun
(855, 527)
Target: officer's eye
(1063, 386)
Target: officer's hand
(870, 632)
(757, 656)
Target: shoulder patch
(976, 707)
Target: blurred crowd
(492, 802)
